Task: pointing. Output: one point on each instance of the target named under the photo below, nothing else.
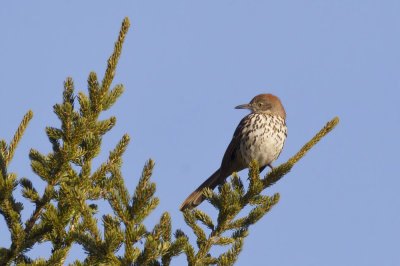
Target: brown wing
(232, 160)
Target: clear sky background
(186, 65)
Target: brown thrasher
(259, 136)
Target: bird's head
(265, 103)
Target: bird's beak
(243, 106)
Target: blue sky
(186, 65)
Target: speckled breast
(263, 137)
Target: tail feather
(197, 197)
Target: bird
(259, 136)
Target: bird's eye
(260, 104)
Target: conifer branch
(278, 172)
(112, 65)
(17, 137)
(9, 207)
(76, 142)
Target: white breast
(263, 138)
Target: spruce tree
(64, 213)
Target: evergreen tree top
(64, 213)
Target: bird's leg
(262, 168)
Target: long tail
(197, 197)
